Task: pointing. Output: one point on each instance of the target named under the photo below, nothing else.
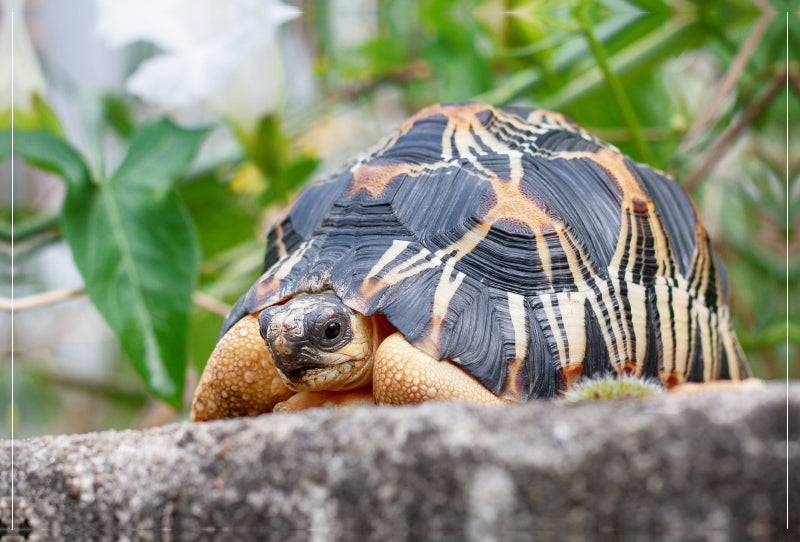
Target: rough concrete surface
(707, 466)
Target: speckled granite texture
(709, 466)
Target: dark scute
(725, 371)
(512, 228)
(580, 194)
(290, 285)
(480, 316)
(543, 360)
(675, 211)
(438, 207)
(356, 235)
(624, 314)
(563, 280)
(477, 333)
(315, 203)
(408, 304)
(318, 276)
(710, 295)
(646, 266)
(723, 277)
(596, 362)
(291, 240)
(486, 117)
(654, 355)
(512, 136)
(442, 208)
(353, 219)
(565, 141)
(626, 253)
(696, 372)
(421, 144)
(387, 194)
(519, 111)
(507, 259)
(498, 164)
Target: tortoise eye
(332, 331)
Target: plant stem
(728, 83)
(615, 85)
(211, 304)
(107, 389)
(723, 144)
(772, 335)
(30, 227)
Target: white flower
(28, 76)
(223, 55)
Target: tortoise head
(318, 343)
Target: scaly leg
(404, 374)
(240, 378)
(311, 399)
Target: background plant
(165, 219)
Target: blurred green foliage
(641, 74)
(133, 242)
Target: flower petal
(28, 75)
(253, 90)
(206, 42)
(177, 80)
(122, 22)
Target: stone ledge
(711, 464)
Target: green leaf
(135, 246)
(39, 117)
(212, 204)
(269, 149)
(117, 115)
(616, 87)
(133, 242)
(301, 168)
(47, 151)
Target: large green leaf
(134, 243)
(46, 151)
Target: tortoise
(481, 254)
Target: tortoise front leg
(240, 378)
(303, 400)
(404, 374)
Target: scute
(516, 245)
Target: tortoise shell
(518, 246)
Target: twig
(110, 390)
(728, 82)
(39, 300)
(794, 82)
(721, 145)
(615, 135)
(52, 297)
(30, 227)
(205, 301)
(302, 120)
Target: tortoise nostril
(279, 347)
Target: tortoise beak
(293, 358)
(285, 338)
